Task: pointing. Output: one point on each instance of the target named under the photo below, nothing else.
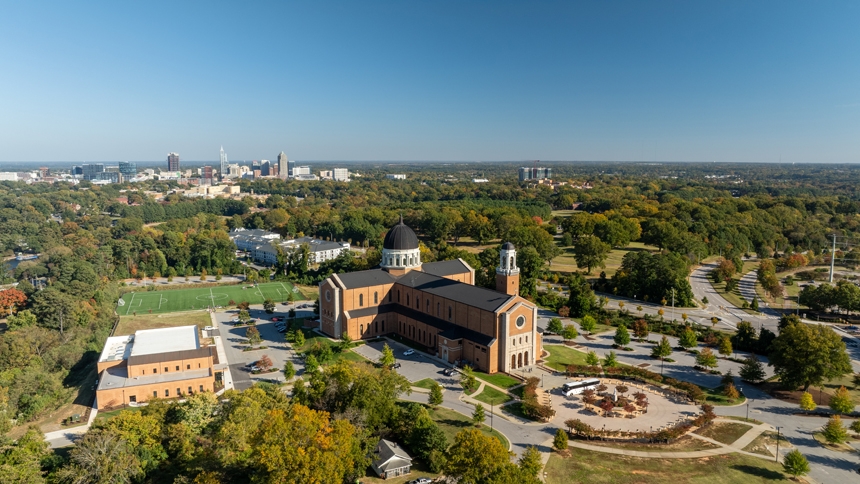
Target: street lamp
(777, 444)
(491, 416)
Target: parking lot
(278, 349)
(414, 367)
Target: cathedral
(435, 305)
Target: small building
(163, 363)
(395, 176)
(390, 460)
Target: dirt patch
(793, 396)
(644, 365)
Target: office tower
(128, 169)
(534, 173)
(301, 170)
(77, 171)
(207, 173)
(282, 160)
(291, 165)
(44, 172)
(265, 168)
(173, 162)
(225, 167)
(275, 169)
(341, 174)
(91, 171)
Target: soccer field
(167, 301)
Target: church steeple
(508, 274)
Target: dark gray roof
(372, 277)
(385, 450)
(474, 296)
(445, 267)
(447, 329)
(400, 237)
(203, 352)
(508, 246)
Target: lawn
(498, 379)
(725, 433)
(491, 396)
(715, 397)
(566, 262)
(561, 356)
(426, 383)
(597, 467)
(102, 415)
(131, 324)
(312, 338)
(451, 423)
(845, 381)
(172, 300)
(684, 444)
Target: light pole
(492, 405)
(777, 444)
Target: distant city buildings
(173, 162)
(301, 170)
(128, 169)
(225, 166)
(392, 176)
(534, 173)
(260, 246)
(480, 180)
(337, 174)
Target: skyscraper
(282, 162)
(291, 165)
(128, 169)
(224, 164)
(173, 162)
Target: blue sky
(431, 80)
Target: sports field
(168, 301)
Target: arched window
(375, 297)
(450, 312)
(514, 342)
(521, 340)
(398, 295)
(438, 310)
(526, 359)
(376, 326)
(428, 306)
(511, 263)
(361, 300)
(527, 339)
(398, 260)
(361, 329)
(417, 303)
(407, 299)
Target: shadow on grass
(762, 472)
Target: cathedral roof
(400, 237)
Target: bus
(577, 387)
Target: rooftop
(117, 377)
(445, 267)
(165, 340)
(117, 348)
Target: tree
(855, 426)
(559, 442)
(590, 252)
(531, 461)
(253, 335)
(311, 365)
(688, 339)
(581, 300)
(731, 392)
(706, 359)
(754, 304)
(752, 370)
(435, 398)
(265, 363)
(662, 349)
(386, 359)
(478, 415)
(611, 360)
(795, 464)
(725, 346)
(622, 337)
(588, 323)
(299, 338)
(21, 461)
(841, 401)
(554, 326)
(244, 316)
(467, 379)
(24, 319)
(834, 432)
(745, 338)
(289, 370)
(804, 355)
(640, 329)
(203, 274)
(591, 359)
(808, 403)
(569, 332)
(269, 305)
(473, 456)
(10, 300)
(101, 457)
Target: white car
(209, 328)
(408, 352)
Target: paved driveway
(414, 367)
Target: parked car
(209, 328)
(421, 480)
(234, 320)
(281, 329)
(448, 371)
(408, 352)
(277, 318)
(396, 365)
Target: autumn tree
(386, 359)
(265, 363)
(841, 401)
(11, 300)
(474, 457)
(435, 398)
(807, 402)
(101, 456)
(688, 339)
(725, 346)
(253, 335)
(640, 329)
(706, 359)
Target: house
(390, 460)
(435, 305)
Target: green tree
(299, 339)
(807, 402)
(478, 415)
(590, 252)
(101, 457)
(622, 336)
(752, 370)
(386, 359)
(754, 304)
(311, 364)
(855, 426)
(795, 464)
(706, 359)
(467, 379)
(21, 461)
(588, 323)
(841, 401)
(554, 326)
(253, 335)
(581, 300)
(559, 442)
(289, 370)
(834, 432)
(24, 319)
(804, 355)
(244, 316)
(474, 457)
(591, 359)
(611, 360)
(688, 339)
(435, 398)
(725, 346)
(269, 305)
(531, 461)
(662, 349)
(569, 332)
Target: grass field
(598, 467)
(168, 301)
(491, 396)
(426, 384)
(725, 433)
(561, 356)
(499, 379)
(131, 324)
(566, 263)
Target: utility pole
(673, 304)
(832, 258)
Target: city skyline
(443, 81)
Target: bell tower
(508, 274)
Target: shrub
(834, 432)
